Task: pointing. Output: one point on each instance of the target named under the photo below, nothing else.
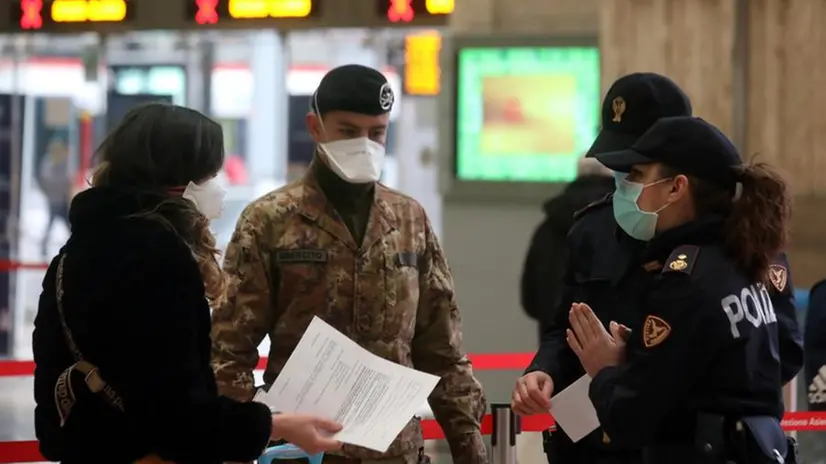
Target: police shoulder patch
(654, 331)
(778, 276)
(606, 200)
(682, 259)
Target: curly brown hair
(160, 147)
(757, 220)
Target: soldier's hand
(532, 394)
(310, 433)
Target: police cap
(632, 105)
(687, 144)
(353, 88)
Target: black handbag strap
(65, 398)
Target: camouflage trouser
(412, 458)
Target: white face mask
(208, 197)
(357, 161)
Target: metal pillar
(267, 124)
(207, 52)
(200, 61)
(503, 439)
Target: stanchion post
(503, 439)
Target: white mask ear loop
(738, 191)
(315, 109)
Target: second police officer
(699, 378)
(340, 245)
(596, 250)
(600, 251)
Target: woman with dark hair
(698, 376)
(121, 339)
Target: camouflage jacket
(292, 258)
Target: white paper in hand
(331, 376)
(573, 410)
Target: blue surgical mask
(639, 224)
(619, 177)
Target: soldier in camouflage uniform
(339, 245)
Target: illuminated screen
(525, 114)
(212, 11)
(405, 11)
(39, 14)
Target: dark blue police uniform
(601, 253)
(790, 337)
(705, 342)
(702, 380)
(815, 375)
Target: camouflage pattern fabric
(411, 458)
(292, 258)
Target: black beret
(354, 88)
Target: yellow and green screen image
(525, 114)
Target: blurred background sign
(212, 11)
(439, 6)
(422, 70)
(75, 11)
(111, 16)
(34, 14)
(406, 11)
(243, 9)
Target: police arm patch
(778, 276)
(654, 331)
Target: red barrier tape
(16, 368)
(481, 362)
(27, 451)
(10, 266)
(20, 451)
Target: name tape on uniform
(301, 256)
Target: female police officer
(699, 381)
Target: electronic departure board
(35, 15)
(410, 11)
(113, 16)
(213, 11)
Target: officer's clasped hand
(532, 394)
(593, 345)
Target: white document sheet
(331, 376)
(573, 410)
